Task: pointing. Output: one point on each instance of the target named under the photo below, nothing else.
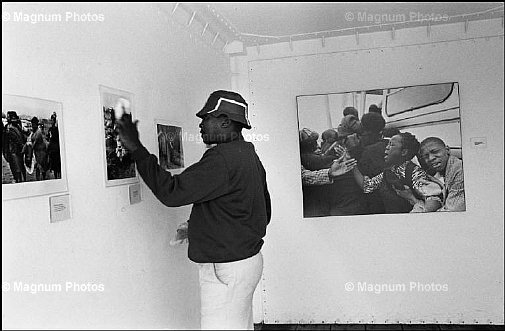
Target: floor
(378, 327)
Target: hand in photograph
(339, 150)
(407, 194)
(430, 188)
(341, 166)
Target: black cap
(12, 115)
(229, 103)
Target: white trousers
(226, 292)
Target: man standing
(435, 154)
(15, 140)
(39, 143)
(231, 208)
(53, 148)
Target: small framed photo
(170, 147)
(118, 162)
(33, 147)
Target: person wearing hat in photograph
(15, 140)
(231, 208)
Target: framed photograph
(118, 162)
(170, 147)
(33, 148)
(406, 141)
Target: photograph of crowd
(119, 164)
(382, 151)
(30, 142)
(170, 146)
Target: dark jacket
(231, 203)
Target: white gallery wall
(147, 283)
(313, 267)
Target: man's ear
(405, 152)
(448, 150)
(225, 122)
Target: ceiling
(220, 24)
(262, 23)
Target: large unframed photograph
(406, 141)
(33, 157)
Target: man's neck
(230, 137)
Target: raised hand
(340, 167)
(128, 132)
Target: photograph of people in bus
(382, 151)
